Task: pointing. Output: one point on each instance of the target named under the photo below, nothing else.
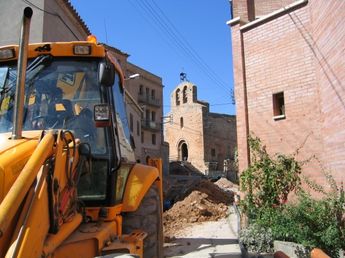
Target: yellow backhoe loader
(69, 184)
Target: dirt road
(203, 224)
(207, 239)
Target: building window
(213, 152)
(184, 94)
(278, 106)
(154, 139)
(147, 92)
(177, 97)
(153, 116)
(131, 122)
(141, 89)
(142, 137)
(138, 128)
(153, 94)
(147, 115)
(181, 122)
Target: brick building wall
(328, 41)
(208, 137)
(298, 53)
(241, 8)
(264, 7)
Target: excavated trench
(198, 202)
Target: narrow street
(203, 223)
(207, 239)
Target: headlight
(7, 53)
(82, 50)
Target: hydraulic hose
(21, 186)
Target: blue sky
(167, 37)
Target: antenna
(105, 29)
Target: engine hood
(13, 156)
(6, 143)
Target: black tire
(148, 217)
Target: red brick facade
(300, 51)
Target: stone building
(289, 72)
(57, 20)
(203, 139)
(147, 90)
(144, 107)
(51, 21)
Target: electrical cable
(197, 133)
(171, 29)
(53, 14)
(168, 29)
(174, 29)
(211, 105)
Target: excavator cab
(62, 94)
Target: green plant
(323, 220)
(310, 222)
(268, 180)
(257, 239)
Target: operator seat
(58, 112)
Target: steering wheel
(83, 125)
(44, 122)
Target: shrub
(310, 222)
(268, 180)
(322, 220)
(257, 239)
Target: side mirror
(106, 74)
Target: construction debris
(205, 201)
(227, 185)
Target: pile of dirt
(204, 201)
(227, 185)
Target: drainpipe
(245, 100)
(21, 70)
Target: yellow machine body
(28, 199)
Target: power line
(171, 29)
(217, 104)
(174, 29)
(168, 29)
(197, 132)
(53, 14)
(154, 25)
(211, 74)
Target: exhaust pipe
(21, 72)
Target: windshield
(59, 94)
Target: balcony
(147, 99)
(150, 125)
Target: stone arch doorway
(182, 151)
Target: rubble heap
(204, 201)
(227, 185)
